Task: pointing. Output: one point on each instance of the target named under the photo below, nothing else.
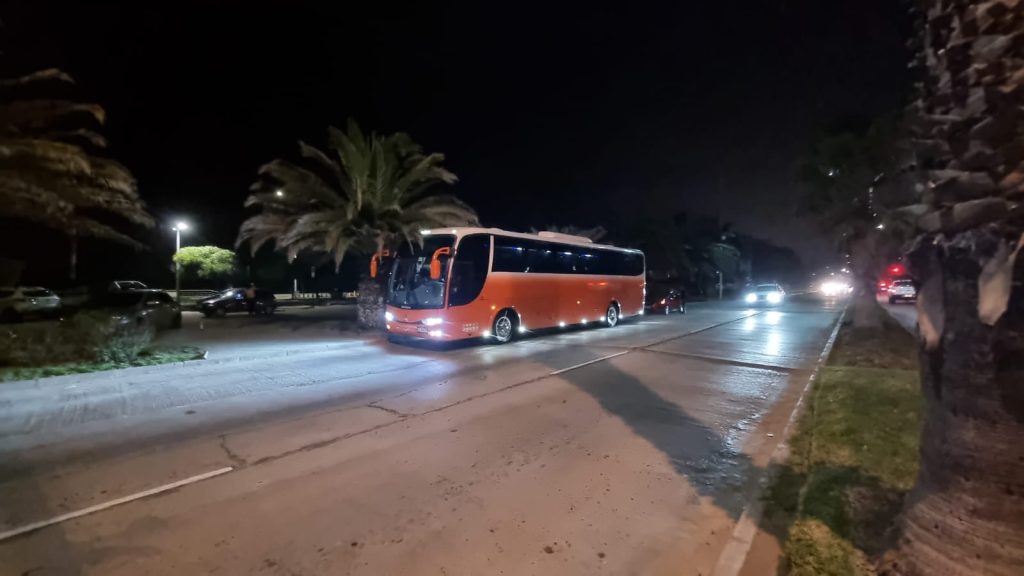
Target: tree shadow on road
(842, 509)
(713, 465)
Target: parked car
(21, 301)
(122, 285)
(902, 290)
(673, 300)
(154, 307)
(771, 294)
(233, 300)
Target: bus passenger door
(468, 277)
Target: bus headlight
(432, 321)
(389, 316)
(751, 298)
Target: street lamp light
(178, 228)
(279, 193)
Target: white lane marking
(92, 509)
(588, 363)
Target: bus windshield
(410, 286)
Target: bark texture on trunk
(370, 305)
(966, 513)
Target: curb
(734, 555)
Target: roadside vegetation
(86, 342)
(853, 458)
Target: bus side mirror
(375, 262)
(435, 262)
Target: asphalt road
(616, 451)
(904, 312)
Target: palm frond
(31, 116)
(38, 76)
(362, 194)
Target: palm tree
(850, 182)
(49, 171)
(364, 194)
(965, 515)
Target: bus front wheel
(611, 317)
(504, 327)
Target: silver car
(19, 302)
(155, 308)
(902, 290)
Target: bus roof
(542, 236)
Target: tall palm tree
(363, 195)
(50, 172)
(965, 515)
(850, 181)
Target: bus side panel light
(522, 328)
(561, 324)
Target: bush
(124, 343)
(88, 336)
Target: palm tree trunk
(866, 311)
(866, 256)
(966, 513)
(370, 304)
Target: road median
(852, 458)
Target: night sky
(547, 114)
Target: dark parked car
(233, 300)
(153, 307)
(122, 285)
(672, 300)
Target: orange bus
(486, 282)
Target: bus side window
(469, 271)
(567, 260)
(509, 255)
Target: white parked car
(902, 290)
(16, 303)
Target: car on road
(902, 290)
(21, 301)
(233, 300)
(672, 300)
(770, 294)
(155, 308)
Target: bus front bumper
(441, 333)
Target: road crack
(237, 460)
(391, 411)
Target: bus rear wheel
(611, 316)
(504, 327)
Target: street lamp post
(178, 227)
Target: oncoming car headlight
(751, 298)
(774, 297)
